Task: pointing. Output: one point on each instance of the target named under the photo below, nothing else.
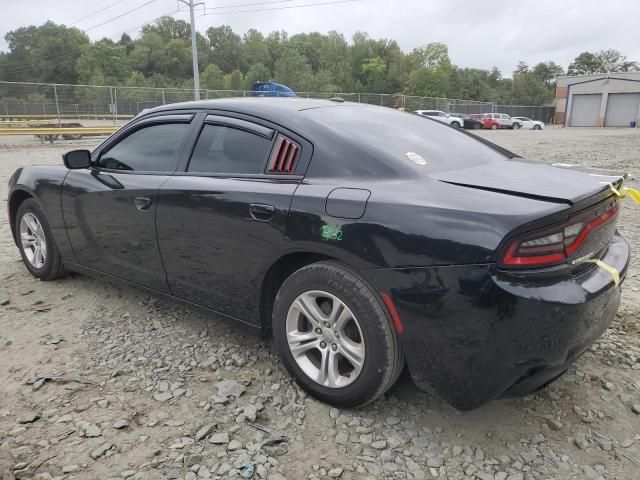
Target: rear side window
(150, 149)
(376, 136)
(222, 149)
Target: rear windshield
(402, 138)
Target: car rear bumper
(473, 333)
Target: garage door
(622, 108)
(585, 110)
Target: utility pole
(194, 49)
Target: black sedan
(359, 237)
(470, 123)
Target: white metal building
(599, 100)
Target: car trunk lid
(566, 184)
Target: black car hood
(558, 183)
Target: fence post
(111, 104)
(164, 102)
(115, 98)
(55, 95)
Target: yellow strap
(632, 193)
(623, 192)
(614, 273)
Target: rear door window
(223, 149)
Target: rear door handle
(142, 203)
(261, 212)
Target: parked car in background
(487, 120)
(469, 122)
(525, 122)
(441, 116)
(505, 120)
(271, 89)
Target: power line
(96, 12)
(278, 8)
(248, 4)
(119, 16)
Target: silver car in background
(527, 123)
(443, 117)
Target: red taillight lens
(551, 246)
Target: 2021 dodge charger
(359, 237)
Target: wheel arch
(18, 196)
(276, 274)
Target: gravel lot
(102, 381)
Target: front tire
(537, 127)
(455, 124)
(35, 241)
(335, 336)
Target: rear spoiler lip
(615, 180)
(514, 193)
(596, 172)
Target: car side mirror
(77, 159)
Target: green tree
(225, 48)
(613, 61)
(527, 89)
(585, 63)
(374, 74)
(105, 63)
(521, 68)
(548, 71)
(254, 48)
(293, 70)
(169, 28)
(256, 73)
(47, 53)
(430, 71)
(233, 80)
(212, 78)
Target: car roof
(266, 107)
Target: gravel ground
(104, 381)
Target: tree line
(161, 57)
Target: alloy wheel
(33, 240)
(325, 339)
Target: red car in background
(487, 122)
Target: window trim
(132, 128)
(240, 125)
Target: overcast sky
(480, 33)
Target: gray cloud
(479, 34)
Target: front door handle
(261, 212)
(142, 203)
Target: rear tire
(455, 124)
(494, 127)
(35, 241)
(312, 305)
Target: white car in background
(525, 122)
(441, 116)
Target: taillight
(553, 245)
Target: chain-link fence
(61, 102)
